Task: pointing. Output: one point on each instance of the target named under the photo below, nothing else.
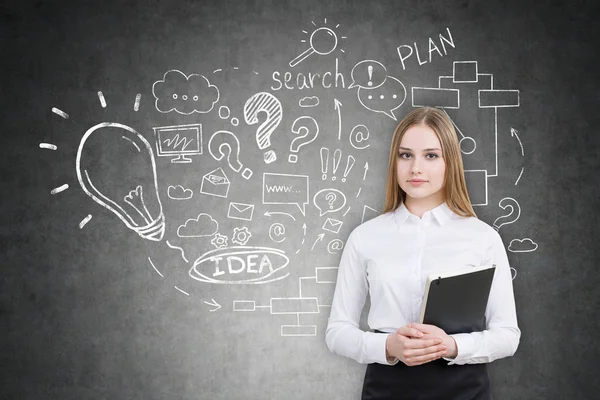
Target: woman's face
(420, 165)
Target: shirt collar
(442, 214)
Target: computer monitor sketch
(179, 141)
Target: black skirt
(433, 380)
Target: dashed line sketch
(332, 225)
(102, 99)
(179, 141)
(136, 104)
(359, 134)
(224, 144)
(85, 221)
(366, 168)
(215, 183)
(337, 105)
(181, 290)
(329, 201)
(241, 265)
(137, 204)
(178, 192)
(335, 246)
(524, 245)
(322, 41)
(306, 130)
(310, 101)
(214, 304)
(241, 211)
(60, 112)
(204, 225)
(277, 232)
(264, 102)
(156, 269)
(48, 146)
(513, 214)
(180, 249)
(184, 94)
(59, 189)
(286, 189)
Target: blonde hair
(455, 187)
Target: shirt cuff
(464, 346)
(376, 345)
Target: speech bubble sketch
(184, 94)
(306, 130)
(384, 99)
(202, 226)
(322, 41)
(286, 189)
(178, 192)
(277, 232)
(511, 216)
(240, 265)
(226, 144)
(368, 74)
(359, 134)
(329, 201)
(310, 101)
(525, 245)
(266, 103)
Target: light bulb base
(153, 231)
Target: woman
(428, 225)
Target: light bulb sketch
(130, 192)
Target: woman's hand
(410, 346)
(432, 331)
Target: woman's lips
(417, 182)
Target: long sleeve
(343, 335)
(501, 337)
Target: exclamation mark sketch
(349, 165)
(324, 162)
(337, 156)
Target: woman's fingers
(411, 332)
(418, 360)
(409, 353)
(421, 343)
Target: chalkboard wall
(179, 179)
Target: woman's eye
(405, 155)
(432, 155)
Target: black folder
(456, 301)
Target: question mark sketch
(269, 104)
(513, 214)
(330, 197)
(307, 130)
(226, 144)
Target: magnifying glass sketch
(322, 41)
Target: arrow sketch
(214, 304)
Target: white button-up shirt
(390, 257)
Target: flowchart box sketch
(477, 186)
(244, 305)
(434, 97)
(498, 98)
(464, 72)
(326, 274)
(294, 305)
(298, 330)
(309, 287)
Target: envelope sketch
(215, 183)
(240, 211)
(332, 225)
